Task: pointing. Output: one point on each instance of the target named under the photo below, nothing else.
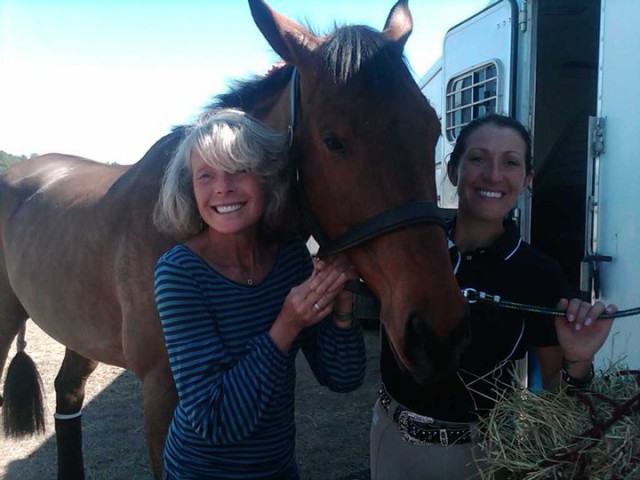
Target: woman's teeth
(228, 208)
(487, 193)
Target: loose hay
(591, 434)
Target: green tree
(7, 159)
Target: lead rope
(472, 295)
(598, 426)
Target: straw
(590, 434)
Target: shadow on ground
(332, 439)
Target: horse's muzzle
(430, 356)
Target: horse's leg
(159, 400)
(70, 383)
(147, 358)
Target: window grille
(469, 96)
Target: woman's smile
(492, 173)
(490, 194)
(227, 202)
(229, 208)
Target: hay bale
(590, 434)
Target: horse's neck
(150, 169)
(275, 110)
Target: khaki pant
(392, 458)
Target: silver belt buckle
(404, 418)
(444, 438)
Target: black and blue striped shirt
(235, 413)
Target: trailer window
(469, 96)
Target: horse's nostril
(416, 325)
(422, 347)
(460, 337)
(430, 355)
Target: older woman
(238, 299)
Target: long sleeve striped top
(235, 413)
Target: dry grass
(553, 435)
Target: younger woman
(426, 431)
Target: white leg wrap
(64, 416)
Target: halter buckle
(471, 294)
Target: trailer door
(478, 75)
(613, 196)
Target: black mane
(245, 94)
(347, 52)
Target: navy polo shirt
(517, 272)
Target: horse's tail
(23, 409)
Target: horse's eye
(332, 142)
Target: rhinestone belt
(422, 430)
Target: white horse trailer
(567, 69)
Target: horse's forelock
(357, 50)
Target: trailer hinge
(522, 14)
(590, 267)
(590, 275)
(597, 146)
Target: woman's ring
(316, 306)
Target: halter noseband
(404, 215)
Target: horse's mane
(245, 94)
(347, 52)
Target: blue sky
(105, 79)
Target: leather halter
(400, 216)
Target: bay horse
(78, 243)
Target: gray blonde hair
(232, 141)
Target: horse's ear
(399, 24)
(289, 39)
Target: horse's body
(77, 243)
(77, 254)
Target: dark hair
(501, 121)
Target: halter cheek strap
(293, 88)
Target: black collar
(504, 247)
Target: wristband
(572, 382)
(343, 319)
(342, 315)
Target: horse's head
(365, 136)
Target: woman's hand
(580, 333)
(312, 300)
(339, 263)
(343, 303)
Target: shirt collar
(504, 247)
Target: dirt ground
(332, 440)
